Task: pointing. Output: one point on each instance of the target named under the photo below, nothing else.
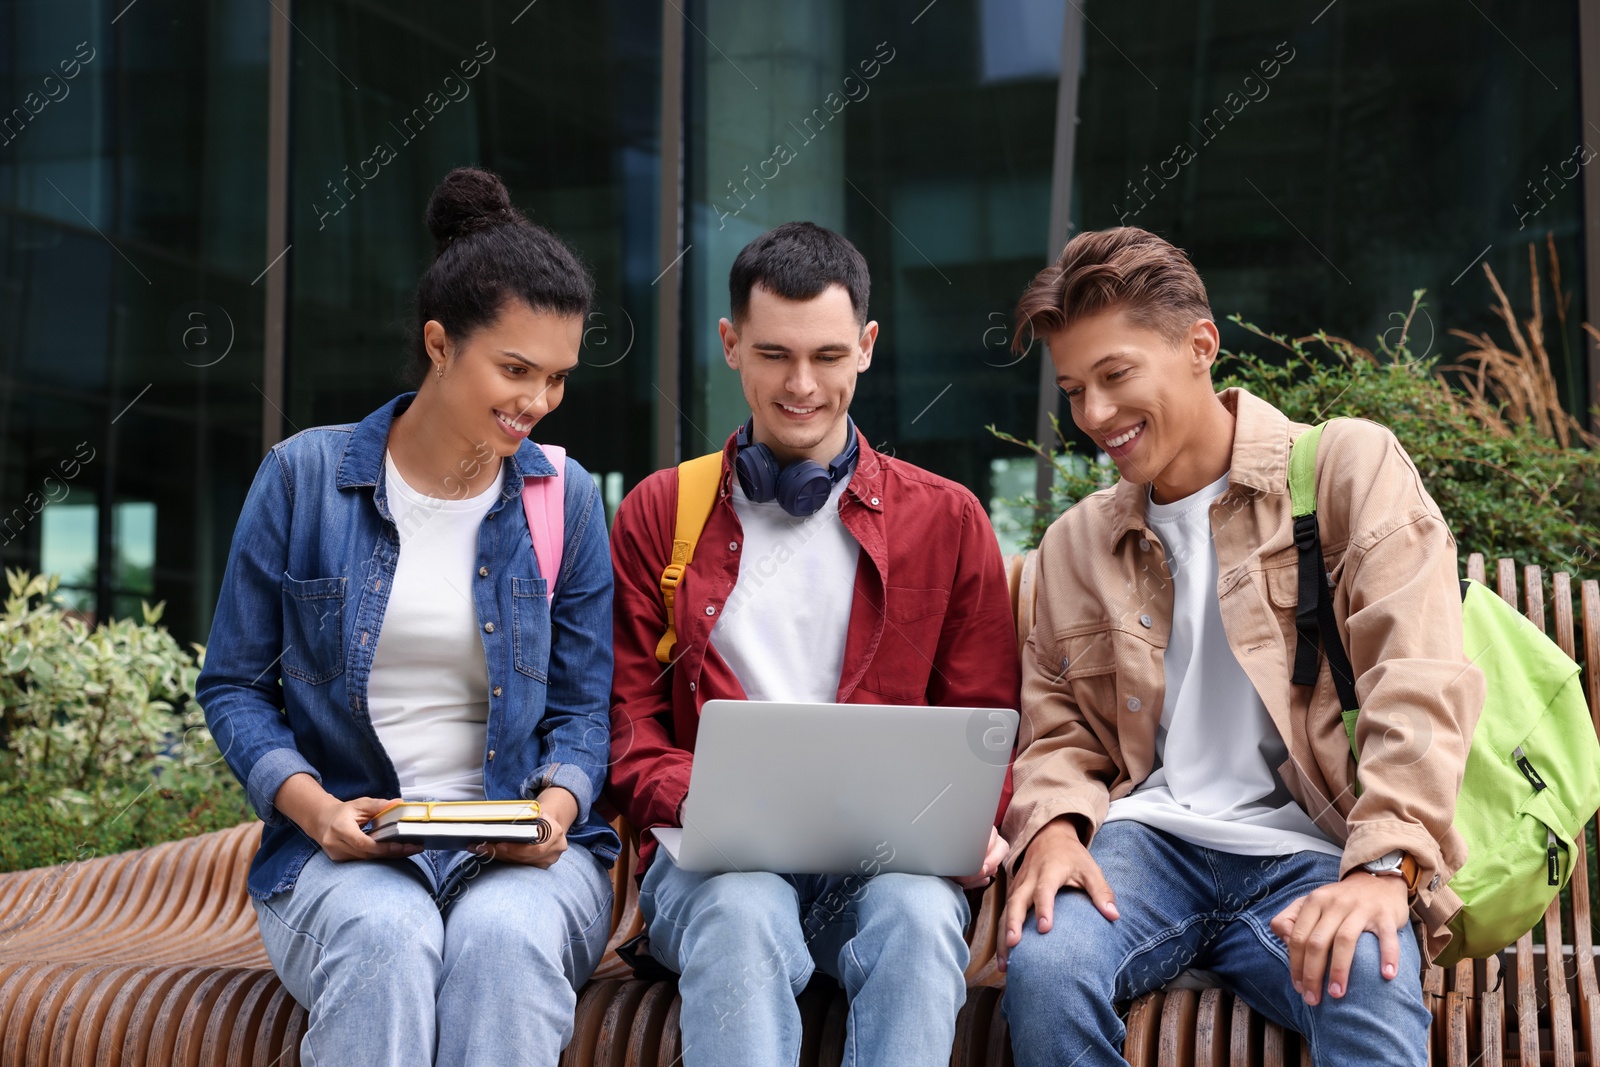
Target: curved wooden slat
(1276, 1047)
(1244, 1036)
(269, 1049)
(646, 1035)
(672, 1035)
(1211, 1028)
(586, 1020)
(1178, 1017)
(1142, 1045)
(611, 1048)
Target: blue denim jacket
(284, 686)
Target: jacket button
(691, 687)
(491, 753)
(483, 572)
(733, 546)
(1134, 704)
(874, 501)
(1144, 544)
(497, 690)
(488, 627)
(1144, 620)
(1064, 663)
(711, 609)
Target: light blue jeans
(439, 958)
(1182, 907)
(747, 944)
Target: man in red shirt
(861, 579)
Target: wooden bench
(152, 957)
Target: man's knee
(912, 914)
(1366, 976)
(739, 913)
(1078, 955)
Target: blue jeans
(747, 944)
(1184, 906)
(441, 958)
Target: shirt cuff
(568, 776)
(268, 776)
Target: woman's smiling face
(507, 375)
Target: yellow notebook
(454, 823)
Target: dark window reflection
(563, 102)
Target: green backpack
(1533, 772)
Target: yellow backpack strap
(697, 491)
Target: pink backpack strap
(544, 502)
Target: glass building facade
(211, 213)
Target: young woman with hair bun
(384, 632)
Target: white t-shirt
(1217, 750)
(782, 631)
(428, 694)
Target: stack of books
(457, 823)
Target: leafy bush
(1486, 434)
(101, 740)
(40, 831)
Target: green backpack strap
(1313, 618)
(1303, 470)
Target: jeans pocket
(530, 627)
(313, 629)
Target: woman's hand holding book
(560, 809)
(335, 824)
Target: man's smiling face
(1136, 393)
(797, 362)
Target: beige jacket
(1092, 681)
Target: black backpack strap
(1314, 619)
(1312, 582)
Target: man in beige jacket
(1180, 804)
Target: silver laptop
(842, 788)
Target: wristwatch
(1398, 863)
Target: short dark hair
(487, 253)
(1124, 269)
(797, 261)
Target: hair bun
(466, 201)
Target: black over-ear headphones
(802, 487)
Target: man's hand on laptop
(992, 859)
(1321, 930)
(1056, 859)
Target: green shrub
(1505, 485)
(40, 831)
(102, 744)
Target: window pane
(1317, 174)
(132, 214)
(563, 104)
(927, 140)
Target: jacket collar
(866, 481)
(1260, 460)
(362, 461)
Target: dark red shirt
(931, 622)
